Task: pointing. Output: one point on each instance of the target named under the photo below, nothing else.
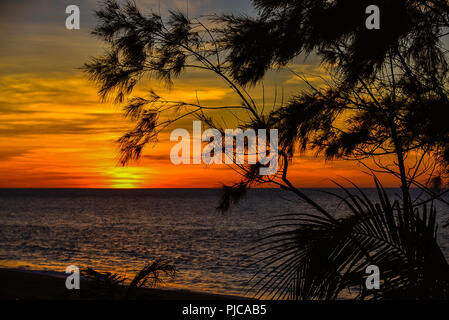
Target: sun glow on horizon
(127, 177)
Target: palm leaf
(305, 257)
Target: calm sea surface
(121, 230)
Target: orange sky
(54, 132)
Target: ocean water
(121, 230)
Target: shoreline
(21, 284)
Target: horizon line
(180, 188)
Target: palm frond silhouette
(107, 285)
(308, 257)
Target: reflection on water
(120, 230)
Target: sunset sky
(55, 132)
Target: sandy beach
(29, 285)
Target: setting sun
(127, 177)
